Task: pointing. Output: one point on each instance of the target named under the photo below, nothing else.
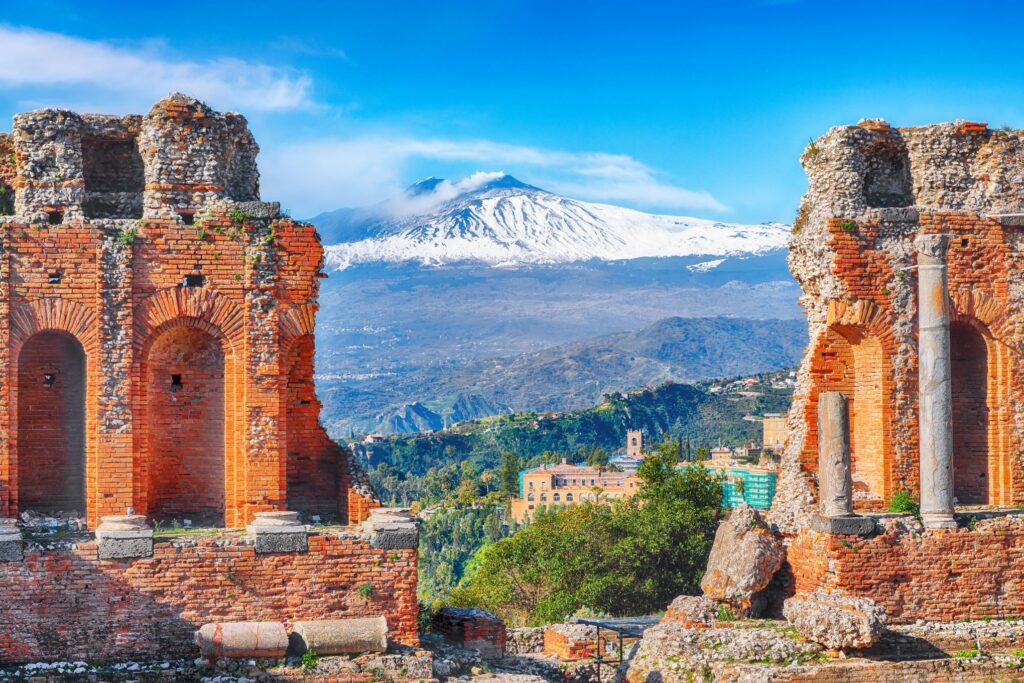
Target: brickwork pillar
(264, 470)
(112, 476)
(935, 409)
(8, 467)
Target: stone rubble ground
(838, 622)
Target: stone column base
(12, 547)
(278, 532)
(392, 529)
(846, 525)
(124, 537)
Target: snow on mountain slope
(496, 220)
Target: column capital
(932, 245)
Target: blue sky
(692, 108)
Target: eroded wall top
(179, 158)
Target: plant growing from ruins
(310, 658)
(1019, 654)
(201, 233)
(725, 613)
(127, 236)
(365, 590)
(812, 148)
(903, 502)
(967, 654)
(847, 225)
(238, 216)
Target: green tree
(510, 467)
(632, 557)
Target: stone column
(124, 537)
(835, 482)
(835, 475)
(935, 401)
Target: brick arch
(296, 321)
(53, 314)
(180, 311)
(853, 355)
(199, 306)
(983, 361)
(77, 322)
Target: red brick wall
(118, 298)
(942, 575)
(980, 261)
(70, 605)
(186, 435)
(51, 433)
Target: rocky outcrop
(671, 653)
(745, 556)
(692, 611)
(839, 622)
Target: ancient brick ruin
(156, 359)
(907, 245)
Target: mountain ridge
(498, 220)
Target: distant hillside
(566, 376)
(688, 412)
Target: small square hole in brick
(195, 280)
(54, 277)
(175, 382)
(55, 217)
(188, 218)
(964, 243)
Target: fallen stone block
(341, 636)
(692, 611)
(744, 557)
(242, 639)
(839, 622)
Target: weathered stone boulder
(839, 622)
(745, 556)
(692, 611)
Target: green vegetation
(632, 557)
(310, 658)
(365, 590)
(967, 654)
(904, 502)
(689, 414)
(847, 226)
(462, 480)
(725, 613)
(127, 236)
(238, 216)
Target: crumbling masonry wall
(140, 242)
(871, 190)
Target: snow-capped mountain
(493, 219)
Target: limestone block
(392, 529)
(242, 639)
(744, 557)
(11, 545)
(838, 622)
(692, 611)
(341, 636)
(124, 537)
(278, 532)
(847, 525)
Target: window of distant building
(529, 497)
(543, 497)
(558, 497)
(568, 498)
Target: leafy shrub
(902, 501)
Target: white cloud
(138, 76)
(320, 175)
